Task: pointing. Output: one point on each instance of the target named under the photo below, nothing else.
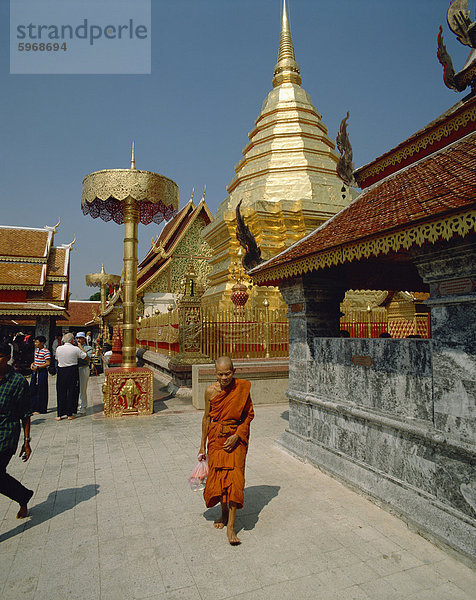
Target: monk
(226, 425)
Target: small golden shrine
(165, 266)
(103, 280)
(286, 180)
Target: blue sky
(212, 66)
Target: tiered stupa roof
(286, 180)
(290, 156)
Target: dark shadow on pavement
(256, 498)
(285, 415)
(161, 395)
(57, 502)
(159, 405)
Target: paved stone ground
(112, 518)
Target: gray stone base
(159, 365)
(268, 377)
(439, 523)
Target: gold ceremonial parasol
(129, 196)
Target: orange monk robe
(231, 411)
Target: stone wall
(365, 414)
(394, 418)
(392, 377)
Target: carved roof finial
(247, 240)
(459, 21)
(345, 166)
(286, 69)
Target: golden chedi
(287, 179)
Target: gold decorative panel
(128, 392)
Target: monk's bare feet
(232, 537)
(222, 521)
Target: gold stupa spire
(133, 159)
(286, 69)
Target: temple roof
(167, 241)
(453, 124)
(34, 275)
(22, 276)
(58, 263)
(80, 313)
(25, 243)
(430, 200)
(51, 292)
(37, 309)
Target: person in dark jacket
(14, 409)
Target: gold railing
(245, 333)
(159, 333)
(240, 333)
(262, 332)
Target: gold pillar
(129, 289)
(103, 297)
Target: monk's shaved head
(224, 362)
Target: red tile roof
(80, 313)
(51, 292)
(25, 242)
(13, 309)
(437, 186)
(26, 276)
(58, 262)
(455, 123)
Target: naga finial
(252, 256)
(158, 249)
(345, 166)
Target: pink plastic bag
(198, 477)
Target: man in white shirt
(67, 380)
